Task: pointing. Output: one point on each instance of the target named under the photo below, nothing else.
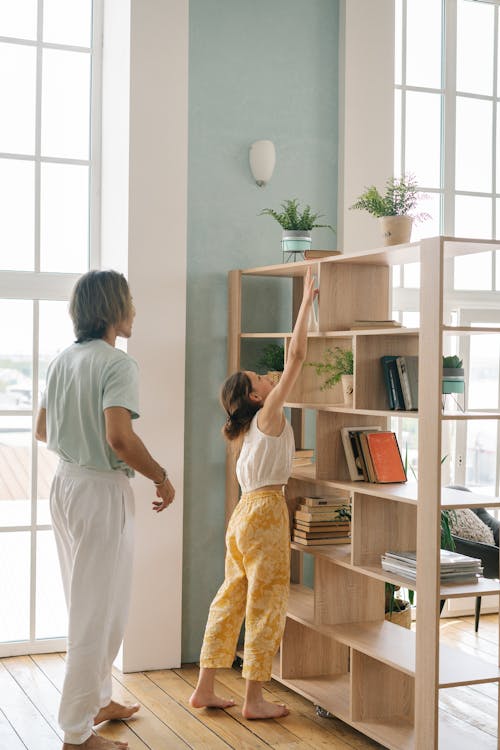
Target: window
(447, 133)
(49, 173)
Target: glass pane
(18, 19)
(65, 104)
(16, 342)
(497, 264)
(396, 276)
(423, 137)
(56, 333)
(473, 162)
(473, 217)
(430, 227)
(17, 226)
(472, 271)
(398, 44)
(411, 275)
(481, 455)
(51, 615)
(475, 30)
(64, 218)
(398, 128)
(18, 97)
(67, 22)
(411, 319)
(482, 383)
(423, 43)
(15, 586)
(15, 471)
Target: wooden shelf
(380, 690)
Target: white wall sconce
(262, 159)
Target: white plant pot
(347, 388)
(396, 230)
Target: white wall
(144, 231)
(366, 120)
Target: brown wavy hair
(234, 397)
(99, 299)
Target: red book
(386, 458)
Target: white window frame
(37, 285)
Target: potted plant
(272, 360)
(296, 225)
(338, 366)
(394, 207)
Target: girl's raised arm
(271, 413)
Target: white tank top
(265, 459)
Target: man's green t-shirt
(82, 381)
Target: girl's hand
(310, 292)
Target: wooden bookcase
(337, 649)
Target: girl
(257, 576)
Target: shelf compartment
(305, 653)
(330, 450)
(328, 691)
(342, 595)
(308, 385)
(370, 391)
(379, 526)
(353, 292)
(380, 691)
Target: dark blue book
(392, 382)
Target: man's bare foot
(208, 699)
(264, 710)
(115, 711)
(95, 742)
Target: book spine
(405, 383)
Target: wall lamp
(262, 159)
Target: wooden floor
(30, 688)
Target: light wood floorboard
(30, 689)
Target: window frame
(39, 285)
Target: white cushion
(466, 524)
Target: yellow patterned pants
(256, 586)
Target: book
(392, 382)
(386, 458)
(375, 324)
(454, 567)
(320, 534)
(367, 457)
(320, 510)
(351, 450)
(315, 542)
(408, 377)
(326, 526)
(317, 254)
(301, 515)
(315, 502)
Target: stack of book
(302, 457)
(322, 520)
(455, 568)
(361, 324)
(401, 381)
(372, 455)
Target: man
(86, 414)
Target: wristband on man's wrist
(163, 479)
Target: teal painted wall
(258, 69)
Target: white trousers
(92, 515)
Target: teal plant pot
(453, 380)
(295, 241)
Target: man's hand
(167, 493)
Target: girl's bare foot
(264, 710)
(94, 742)
(208, 699)
(115, 711)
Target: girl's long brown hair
(235, 400)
